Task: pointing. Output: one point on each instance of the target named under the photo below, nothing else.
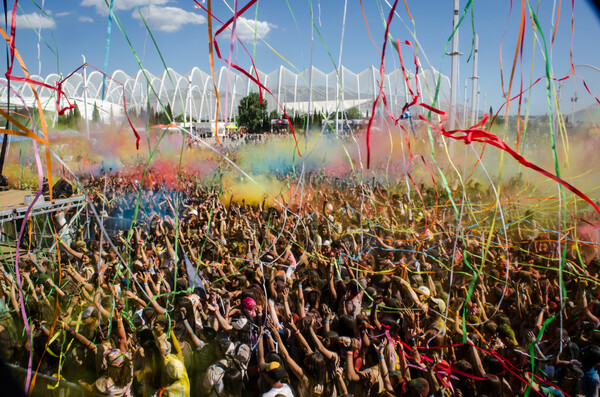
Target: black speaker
(62, 189)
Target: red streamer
(475, 134)
(381, 70)
(241, 70)
(137, 136)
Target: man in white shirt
(272, 374)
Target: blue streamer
(108, 30)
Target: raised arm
(195, 340)
(289, 361)
(80, 338)
(329, 355)
(300, 338)
(223, 323)
(351, 374)
(78, 255)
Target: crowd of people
(347, 290)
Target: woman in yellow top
(179, 382)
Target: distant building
(194, 92)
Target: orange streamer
(212, 67)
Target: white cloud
(83, 18)
(63, 14)
(32, 21)
(102, 8)
(168, 19)
(245, 28)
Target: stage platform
(13, 199)
(13, 208)
(14, 204)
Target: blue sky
(71, 28)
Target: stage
(14, 204)
(13, 208)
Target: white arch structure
(194, 92)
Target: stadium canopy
(194, 93)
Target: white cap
(424, 290)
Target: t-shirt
(179, 388)
(242, 353)
(291, 262)
(284, 390)
(213, 378)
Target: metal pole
(573, 100)
(184, 110)
(454, 73)
(191, 98)
(465, 119)
(474, 80)
(560, 87)
(6, 137)
(85, 98)
(477, 108)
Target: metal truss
(42, 208)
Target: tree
(273, 116)
(168, 114)
(252, 113)
(353, 114)
(76, 114)
(299, 121)
(164, 116)
(95, 114)
(69, 119)
(316, 119)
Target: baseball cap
(441, 305)
(424, 290)
(175, 369)
(273, 370)
(239, 323)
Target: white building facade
(194, 93)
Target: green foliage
(70, 119)
(316, 119)
(76, 112)
(162, 117)
(252, 114)
(96, 114)
(353, 114)
(299, 121)
(274, 115)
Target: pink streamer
(235, 17)
(18, 273)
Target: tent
(169, 127)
